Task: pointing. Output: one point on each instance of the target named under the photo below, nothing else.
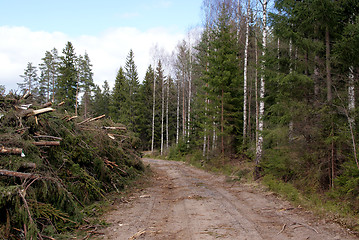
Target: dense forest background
(273, 81)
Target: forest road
(187, 203)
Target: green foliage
(84, 168)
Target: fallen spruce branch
(9, 173)
(14, 151)
(46, 136)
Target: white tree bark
(178, 112)
(162, 115)
(153, 110)
(167, 97)
(351, 96)
(245, 76)
(189, 94)
(262, 88)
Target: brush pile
(53, 164)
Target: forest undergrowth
(56, 168)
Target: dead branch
(304, 225)
(282, 229)
(15, 151)
(92, 119)
(115, 128)
(138, 234)
(69, 119)
(61, 103)
(8, 173)
(47, 143)
(46, 136)
(28, 210)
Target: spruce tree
(67, 81)
(30, 80)
(133, 83)
(119, 109)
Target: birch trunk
(245, 76)
(153, 111)
(256, 91)
(262, 90)
(183, 110)
(167, 97)
(351, 96)
(189, 95)
(178, 112)
(162, 115)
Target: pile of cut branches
(53, 164)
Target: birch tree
(245, 74)
(259, 151)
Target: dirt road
(188, 203)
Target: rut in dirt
(187, 203)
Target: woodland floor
(187, 203)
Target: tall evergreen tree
(30, 80)
(133, 83)
(67, 81)
(120, 99)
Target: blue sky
(105, 29)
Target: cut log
(8, 173)
(47, 143)
(41, 111)
(60, 104)
(32, 112)
(26, 95)
(115, 128)
(49, 104)
(15, 151)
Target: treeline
(277, 85)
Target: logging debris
(51, 168)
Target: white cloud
(20, 45)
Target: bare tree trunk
(178, 112)
(167, 97)
(328, 67)
(222, 122)
(183, 109)
(290, 55)
(153, 110)
(261, 93)
(245, 76)
(351, 96)
(189, 94)
(77, 95)
(162, 115)
(256, 92)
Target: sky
(105, 29)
